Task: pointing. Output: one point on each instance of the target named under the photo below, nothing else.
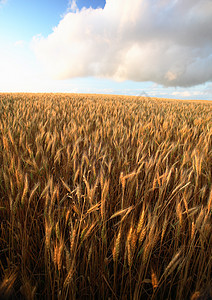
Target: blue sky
(162, 48)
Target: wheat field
(104, 197)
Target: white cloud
(182, 94)
(19, 43)
(2, 2)
(167, 42)
(208, 90)
(188, 94)
(72, 6)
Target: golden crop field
(105, 197)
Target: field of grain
(104, 197)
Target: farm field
(104, 197)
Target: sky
(162, 48)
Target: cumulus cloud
(168, 42)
